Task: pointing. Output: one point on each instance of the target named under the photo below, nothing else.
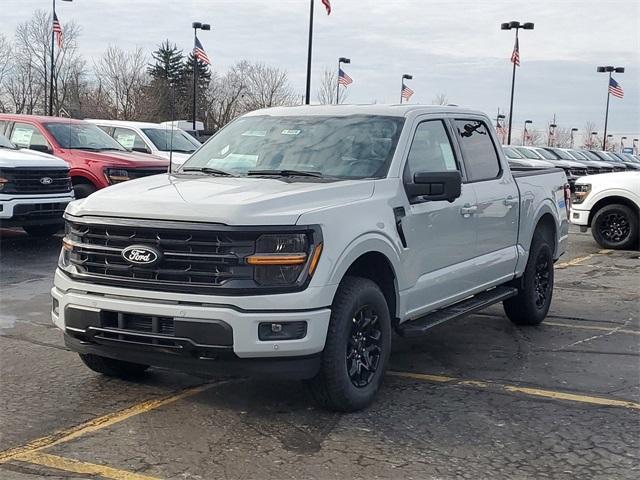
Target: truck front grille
(190, 260)
(144, 172)
(27, 180)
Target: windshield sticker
(126, 140)
(255, 133)
(22, 136)
(290, 132)
(225, 150)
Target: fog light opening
(270, 331)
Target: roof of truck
(38, 118)
(397, 110)
(123, 123)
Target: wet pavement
(476, 398)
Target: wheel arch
(612, 200)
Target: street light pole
(524, 132)
(196, 26)
(517, 26)
(608, 69)
(573, 131)
(551, 135)
(622, 139)
(341, 60)
(310, 49)
(593, 134)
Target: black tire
(535, 288)
(616, 227)
(83, 190)
(42, 230)
(112, 367)
(357, 349)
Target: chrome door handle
(510, 201)
(468, 210)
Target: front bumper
(579, 217)
(191, 317)
(18, 210)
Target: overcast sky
(451, 47)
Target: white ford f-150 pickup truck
(296, 239)
(609, 204)
(35, 188)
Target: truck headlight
(64, 260)
(580, 192)
(284, 259)
(116, 175)
(2, 182)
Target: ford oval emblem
(141, 255)
(46, 180)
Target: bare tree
(440, 99)
(590, 141)
(225, 95)
(267, 87)
(122, 78)
(5, 68)
(329, 88)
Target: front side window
(130, 139)
(25, 135)
(563, 154)
(546, 154)
(82, 136)
(353, 146)
(430, 149)
(526, 153)
(478, 150)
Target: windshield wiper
(286, 173)
(209, 171)
(176, 150)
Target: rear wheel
(83, 190)
(42, 230)
(112, 367)
(531, 304)
(357, 347)
(616, 227)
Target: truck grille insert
(27, 180)
(191, 261)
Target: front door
(440, 235)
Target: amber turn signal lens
(277, 259)
(315, 256)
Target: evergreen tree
(167, 81)
(203, 79)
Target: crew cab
(609, 204)
(96, 159)
(153, 138)
(35, 188)
(296, 239)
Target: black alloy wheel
(363, 348)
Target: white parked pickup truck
(35, 188)
(296, 239)
(609, 204)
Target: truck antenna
(173, 114)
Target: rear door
(497, 202)
(440, 236)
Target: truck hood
(121, 159)
(29, 158)
(227, 200)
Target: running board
(419, 326)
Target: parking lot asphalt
(476, 398)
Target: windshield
(355, 146)
(563, 154)
(511, 152)
(528, 153)
(5, 143)
(546, 154)
(181, 142)
(590, 155)
(82, 136)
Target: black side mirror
(41, 148)
(435, 186)
(140, 150)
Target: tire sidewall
(629, 241)
(540, 247)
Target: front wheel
(357, 349)
(615, 227)
(531, 304)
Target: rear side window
(25, 135)
(478, 150)
(431, 149)
(129, 139)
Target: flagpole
(52, 61)
(308, 87)
(338, 85)
(606, 115)
(513, 83)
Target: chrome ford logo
(46, 180)
(141, 255)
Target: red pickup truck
(96, 159)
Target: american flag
(515, 56)
(57, 30)
(615, 89)
(406, 92)
(344, 79)
(327, 5)
(199, 53)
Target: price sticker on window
(22, 136)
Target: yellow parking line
(101, 422)
(538, 392)
(76, 466)
(575, 261)
(591, 327)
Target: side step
(419, 326)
